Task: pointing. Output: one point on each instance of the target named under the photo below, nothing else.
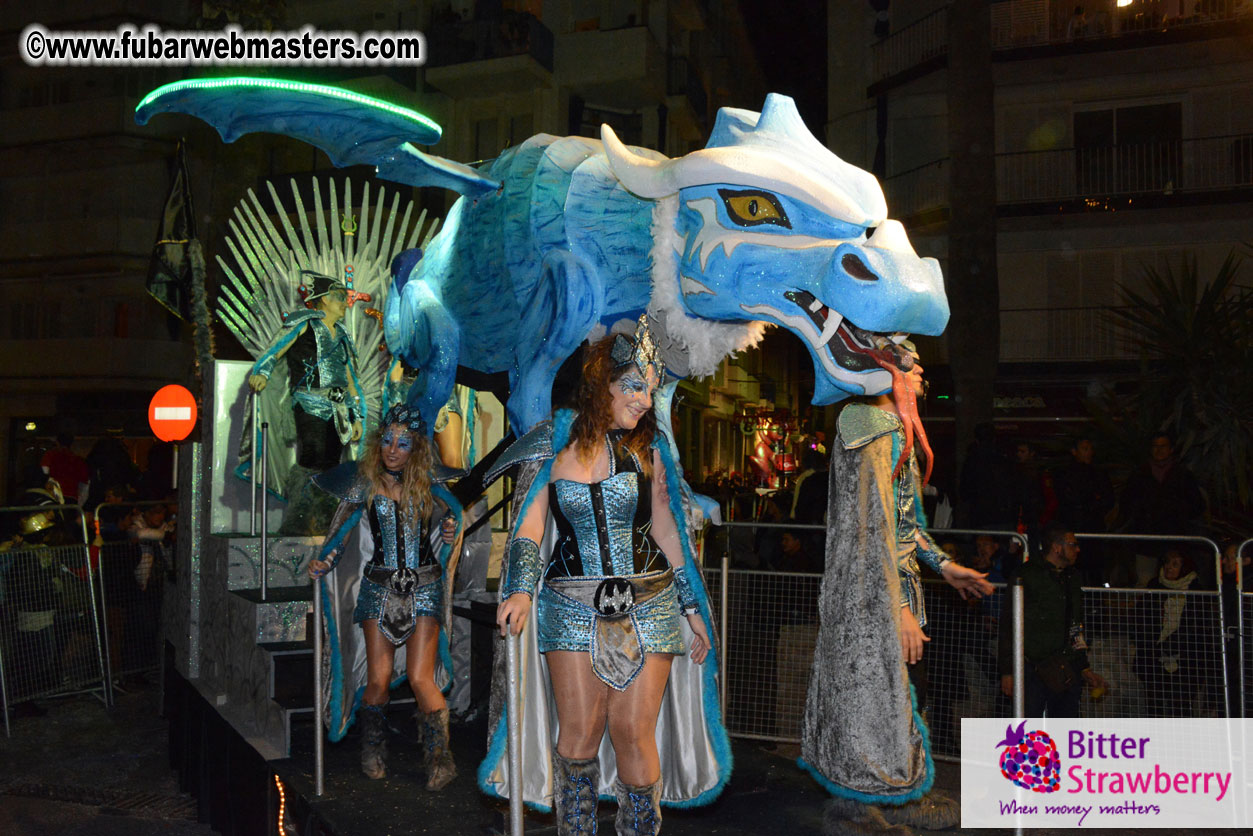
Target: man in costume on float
(864, 736)
(316, 357)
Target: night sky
(791, 43)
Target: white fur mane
(703, 342)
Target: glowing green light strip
(320, 89)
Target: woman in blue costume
(621, 617)
(393, 585)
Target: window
(1129, 149)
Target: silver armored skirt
(428, 600)
(566, 624)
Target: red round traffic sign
(172, 413)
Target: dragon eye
(753, 208)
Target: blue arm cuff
(522, 568)
(265, 366)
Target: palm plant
(1195, 341)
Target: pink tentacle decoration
(907, 409)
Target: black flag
(169, 273)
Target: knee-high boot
(639, 809)
(436, 756)
(576, 789)
(373, 740)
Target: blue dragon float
(562, 238)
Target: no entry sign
(172, 413)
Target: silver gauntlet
(522, 567)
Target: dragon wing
(351, 128)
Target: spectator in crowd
(110, 465)
(1166, 655)
(810, 462)
(990, 559)
(1084, 498)
(794, 556)
(1163, 498)
(1031, 499)
(67, 468)
(987, 482)
(32, 589)
(1055, 647)
(1077, 26)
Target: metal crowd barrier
(75, 617)
(1165, 653)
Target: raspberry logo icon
(1030, 759)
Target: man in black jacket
(1084, 497)
(1054, 645)
(1161, 498)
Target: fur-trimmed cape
(691, 739)
(344, 661)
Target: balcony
(686, 92)
(615, 68)
(485, 57)
(1096, 178)
(1030, 28)
(1037, 335)
(108, 116)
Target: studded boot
(436, 756)
(373, 740)
(576, 789)
(639, 809)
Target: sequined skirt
(564, 624)
(427, 600)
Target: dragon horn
(641, 176)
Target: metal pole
(265, 513)
(252, 469)
(513, 712)
(318, 734)
(1020, 667)
(722, 631)
(1240, 621)
(1222, 629)
(100, 619)
(1020, 670)
(4, 695)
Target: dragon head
(765, 224)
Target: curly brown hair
(595, 415)
(415, 485)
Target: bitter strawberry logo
(1030, 759)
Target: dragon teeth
(834, 319)
(815, 305)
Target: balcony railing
(916, 43)
(515, 33)
(683, 80)
(1033, 335)
(1092, 174)
(1028, 23)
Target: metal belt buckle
(403, 581)
(614, 596)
